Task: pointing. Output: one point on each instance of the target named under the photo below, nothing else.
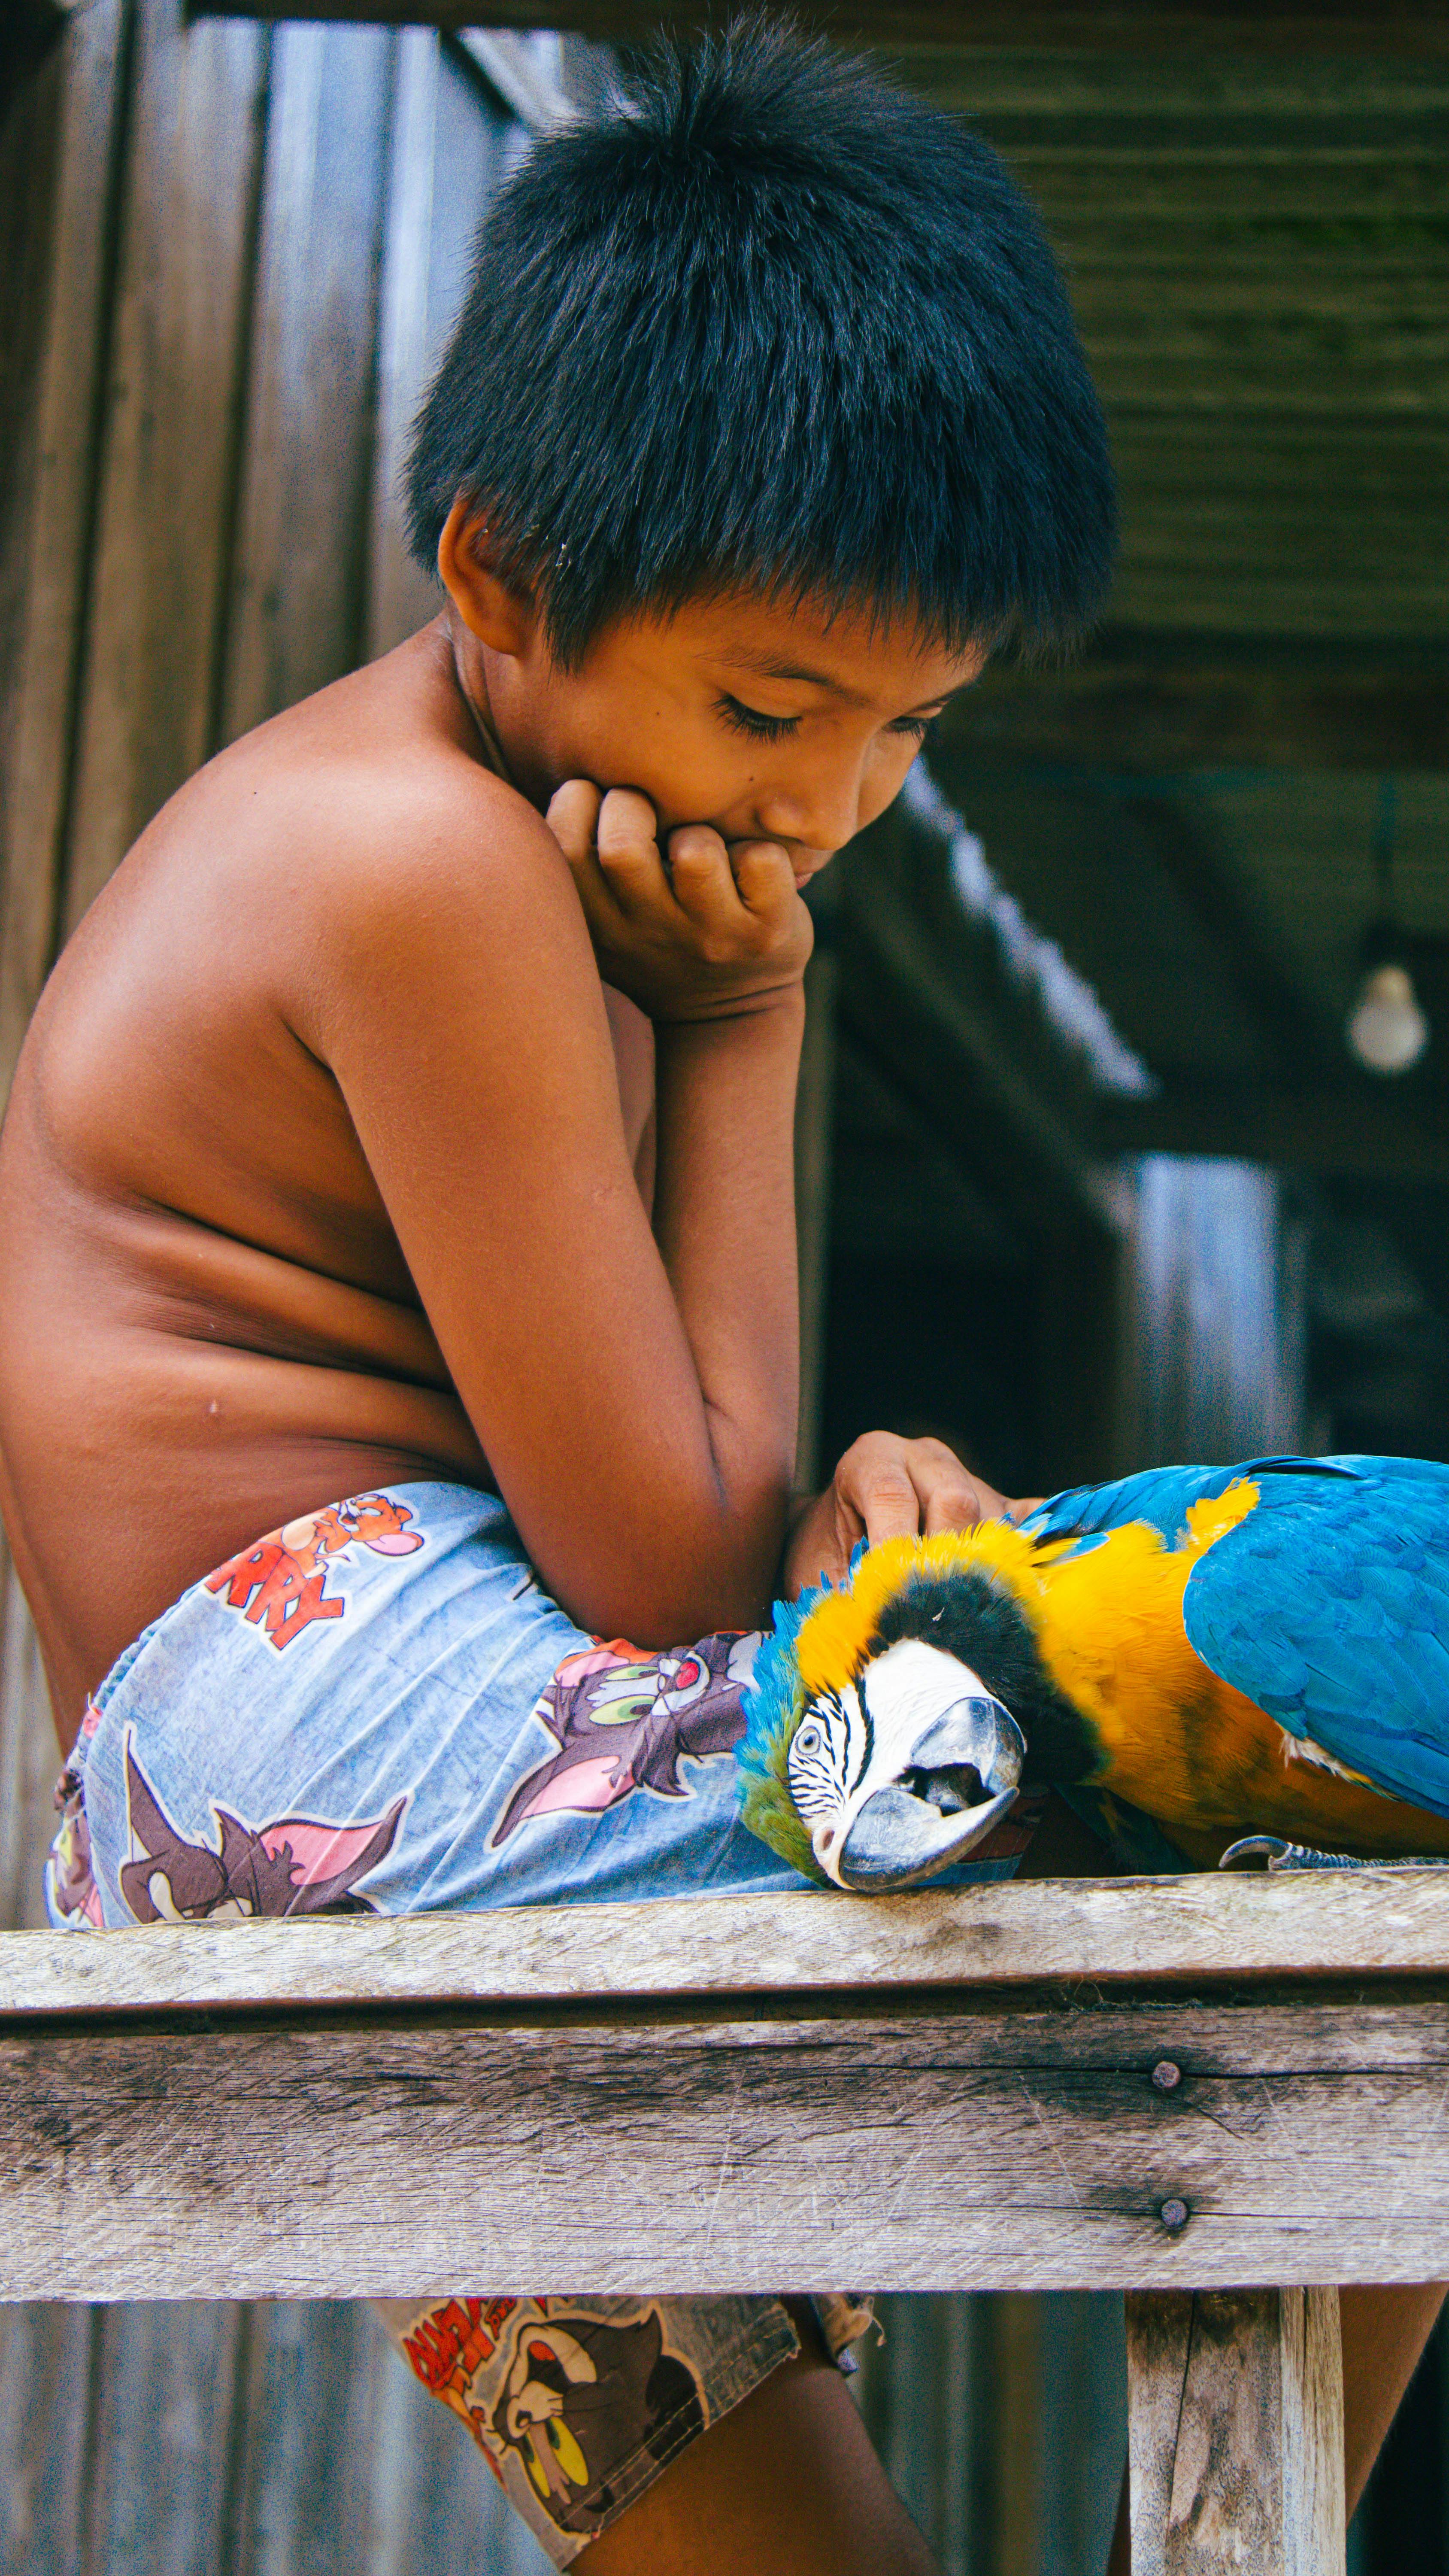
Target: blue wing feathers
(1329, 1607)
(1161, 1495)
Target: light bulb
(1386, 1029)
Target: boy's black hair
(766, 322)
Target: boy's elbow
(678, 1596)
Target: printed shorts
(375, 1710)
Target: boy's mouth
(805, 867)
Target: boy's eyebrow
(770, 667)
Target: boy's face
(770, 722)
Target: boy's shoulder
(372, 800)
(389, 760)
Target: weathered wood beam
(986, 2138)
(1350, 1132)
(1126, 708)
(1199, 1930)
(1409, 27)
(1236, 2417)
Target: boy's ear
(499, 615)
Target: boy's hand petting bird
(709, 930)
(885, 1487)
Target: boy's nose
(813, 825)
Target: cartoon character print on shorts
(622, 1718)
(280, 1584)
(584, 2402)
(292, 1865)
(448, 2346)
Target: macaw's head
(892, 1723)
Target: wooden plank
(1236, 2432)
(1124, 717)
(169, 466)
(400, 596)
(1019, 2433)
(450, 143)
(1354, 1133)
(311, 2378)
(1311, 2364)
(1384, 1923)
(1102, 83)
(511, 68)
(297, 617)
(54, 577)
(32, 122)
(1337, 27)
(930, 2402)
(29, 1759)
(977, 2149)
(46, 2359)
(964, 1055)
(160, 2442)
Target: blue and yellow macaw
(1252, 1651)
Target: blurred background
(1122, 1131)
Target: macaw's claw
(1285, 1855)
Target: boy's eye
(749, 720)
(762, 728)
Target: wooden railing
(1196, 2090)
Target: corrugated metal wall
(235, 252)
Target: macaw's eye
(808, 1739)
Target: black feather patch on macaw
(969, 1616)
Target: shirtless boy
(410, 1122)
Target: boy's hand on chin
(887, 1488)
(715, 931)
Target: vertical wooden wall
(232, 252)
(1215, 1322)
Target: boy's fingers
(904, 1488)
(874, 1482)
(958, 1502)
(573, 817)
(954, 1499)
(704, 886)
(890, 1505)
(628, 851)
(765, 878)
(626, 823)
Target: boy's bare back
(207, 1324)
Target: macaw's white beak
(944, 1766)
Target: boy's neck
(470, 670)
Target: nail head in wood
(1174, 2215)
(1166, 2076)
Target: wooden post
(1236, 2432)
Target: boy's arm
(635, 1398)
